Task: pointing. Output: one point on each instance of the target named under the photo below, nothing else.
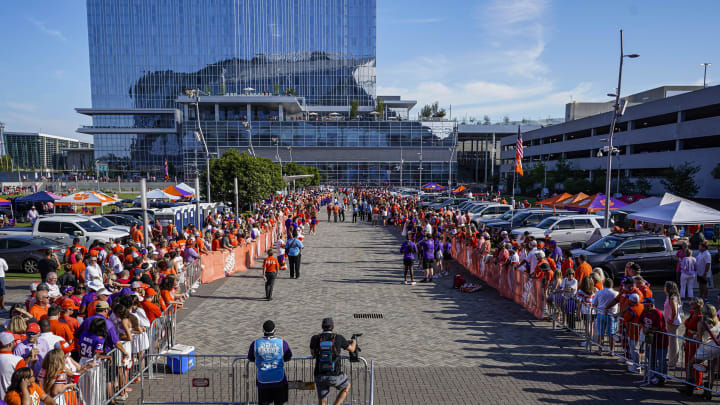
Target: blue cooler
(180, 359)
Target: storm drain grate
(368, 316)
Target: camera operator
(326, 348)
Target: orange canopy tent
(571, 200)
(177, 191)
(551, 201)
(459, 189)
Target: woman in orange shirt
(167, 292)
(24, 390)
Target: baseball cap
(649, 300)
(65, 346)
(540, 253)
(328, 323)
(138, 271)
(136, 284)
(6, 338)
(95, 285)
(68, 303)
(33, 328)
(68, 288)
(634, 298)
(627, 281)
(33, 286)
(104, 291)
(102, 305)
(545, 267)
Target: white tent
(643, 204)
(186, 188)
(159, 194)
(683, 212)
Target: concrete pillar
(678, 144)
(217, 112)
(492, 156)
(281, 113)
(186, 112)
(249, 112)
(564, 137)
(681, 116)
(593, 132)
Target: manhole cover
(368, 316)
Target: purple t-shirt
(428, 248)
(190, 255)
(408, 250)
(90, 344)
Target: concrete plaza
(434, 345)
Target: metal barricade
(71, 396)
(222, 379)
(191, 277)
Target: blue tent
(39, 197)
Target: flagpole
(512, 199)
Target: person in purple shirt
(102, 311)
(94, 286)
(189, 253)
(428, 257)
(408, 249)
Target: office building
(36, 150)
(288, 80)
(651, 137)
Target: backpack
(326, 354)
(459, 281)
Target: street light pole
(616, 110)
(199, 135)
(97, 174)
(705, 64)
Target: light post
(195, 94)
(97, 174)
(289, 148)
(616, 112)
(276, 140)
(705, 64)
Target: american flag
(519, 153)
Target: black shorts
(428, 263)
(275, 395)
(447, 256)
(702, 280)
(408, 262)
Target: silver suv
(565, 230)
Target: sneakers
(424, 280)
(412, 283)
(634, 369)
(405, 282)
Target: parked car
(23, 252)
(565, 230)
(486, 222)
(488, 212)
(465, 204)
(123, 219)
(654, 254)
(137, 213)
(530, 217)
(64, 228)
(440, 202)
(100, 220)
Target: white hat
(634, 298)
(540, 253)
(104, 291)
(6, 338)
(95, 284)
(140, 297)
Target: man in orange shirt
(78, 269)
(59, 328)
(583, 270)
(270, 268)
(42, 303)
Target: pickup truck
(565, 230)
(654, 254)
(64, 228)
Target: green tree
(680, 181)
(532, 179)
(426, 111)
(486, 119)
(353, 109)
(380, 107)
(506, 120)
(258, 178)
(6, 163)
(276, 89)
(294, 169)
(643, 186)
(291, 92)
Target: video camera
(355, 356)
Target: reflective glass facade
(32, 150)
(145, 53)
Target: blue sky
(520, 58)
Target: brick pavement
(435, 345)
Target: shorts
(274, 395)
(324, 382)
(702, 280)
(2, 286)
(427, 263)
(447, 256)
(606, 324)
(408, 262)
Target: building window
(657, 120)
(702, 112)
(701, 142)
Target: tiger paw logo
(81, 196)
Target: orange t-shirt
(14, 398)
(151, 310)
(215, 245)
(61, 329)
(567, 264)
(646, 292)
(70, 322)
(78, 270)
(599, 286)
(38, 312)
(582, 271)
(270, 264)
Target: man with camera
(326, 348)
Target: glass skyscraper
(271, 73)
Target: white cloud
(44, 29)
(26, 107)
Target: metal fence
(222, 379)
(654, 357)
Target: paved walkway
(434, 344)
